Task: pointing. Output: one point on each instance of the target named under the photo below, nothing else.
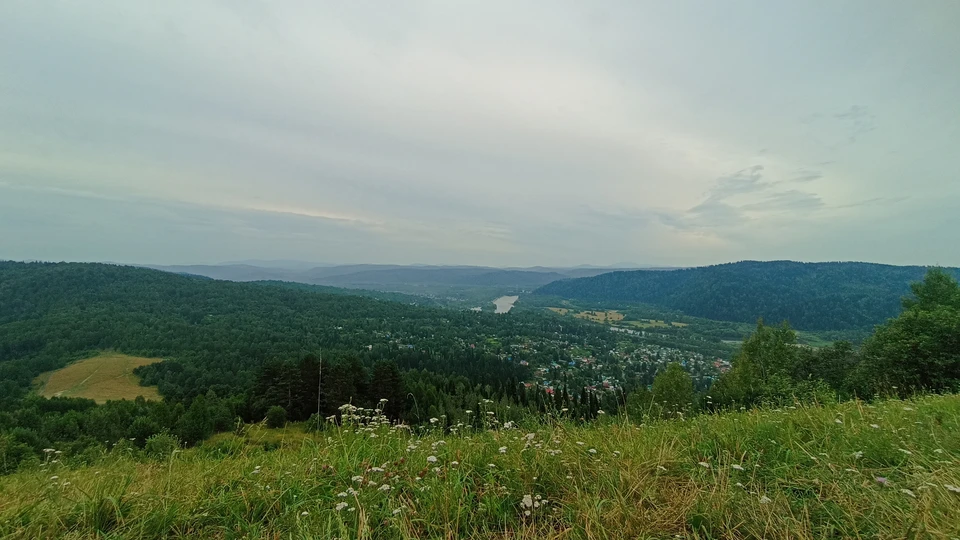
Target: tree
(276, 417)
(673, 390)
(920, 349)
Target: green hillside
(811, 296)
(889, 470)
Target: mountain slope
(811, 296)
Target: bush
(276, 417)
(162, 445)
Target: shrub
(161, 445)
(276, 417)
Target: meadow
(849, 470)
(107, 376)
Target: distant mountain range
(374, 276)
(811, 296)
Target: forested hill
(811, 296)
(218, 334)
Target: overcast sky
(499, 133)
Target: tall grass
(889, 470)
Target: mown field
(852, 470)
(107, 376)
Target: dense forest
(811, 296)
(244, 352)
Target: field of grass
(852, 470)
(104, 377)
(607, 316)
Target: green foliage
(161, 445)
(920, 349)
(811, 296)
(852, 470)
(673, 391)
(276, 417)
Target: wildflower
(431, 459)
(385, 487)
(580, 443)
(616, 453)
(881, 480)
(736, 467)
(383, 400)
(357, 478)
(530, 436)
(468, 411)
(340, 506)
(376, 469)
(765, 500)
(908, 493)
(454, 463)
(432, 421)
(592, 450)
(371, 483)
(304, 513)
(600, 411)
(857, 455)
(526, 513)
(491, 465)
(527, 501)
(342, 494)
(503, 449)
(704, 464)
(48, 450)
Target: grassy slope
(104, 377)
(800, 478)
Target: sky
(498, 133)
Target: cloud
(493, 133)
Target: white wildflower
(431, 459)
(385, 487)
(304, 513)
(357, 478)
(503, 450)
(340, 506)
(527, 501)
(704, 464)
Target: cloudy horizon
(494, 133)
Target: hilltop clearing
(101, 378)
(891, 470)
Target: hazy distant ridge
(812, 296)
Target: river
(505, 303)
